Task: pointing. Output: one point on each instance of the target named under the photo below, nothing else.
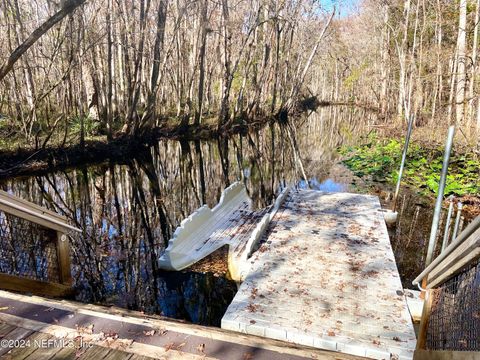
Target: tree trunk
(68, 8)
(461, 60)
(203, 46)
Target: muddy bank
(35, 162)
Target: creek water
(129, 210)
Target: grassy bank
(379, 159)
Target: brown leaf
(170, 346)
(173, 346)
(247, 356)
(331, 332)
(149, 333)
(121, 344)
(87, 330)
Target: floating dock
(319, 281)
(325, 276)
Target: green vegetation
(380, 159)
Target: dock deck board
(116, 333)
(326, 277)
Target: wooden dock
(326, 277)
(39, 328)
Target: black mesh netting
(27, 249)
(454, 322)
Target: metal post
(457, 221)
(402, 164)
(447, 224)
(441, 190)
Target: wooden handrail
(34, 213)
(462, 251)
(28, 211)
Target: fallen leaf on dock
(121, 344)
(87, 330)
(247, 356)
(173, 346)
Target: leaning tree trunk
(68, 8)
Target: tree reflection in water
(128, 211)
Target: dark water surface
(129, 211)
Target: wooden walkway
(326, 277)
(71, 330)
(20, 343)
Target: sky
(344, 7)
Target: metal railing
(34, 248)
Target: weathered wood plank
(97, 352)
(19, 201)
(180, 341)
(16, 334)
(140, 357)
(21, 353)
(34, 213)
(65, 353)
(5, 329)
(117, 355)
(422, 332)
(465, 253)
(159, 322)
(16, 283)
(63, 256)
